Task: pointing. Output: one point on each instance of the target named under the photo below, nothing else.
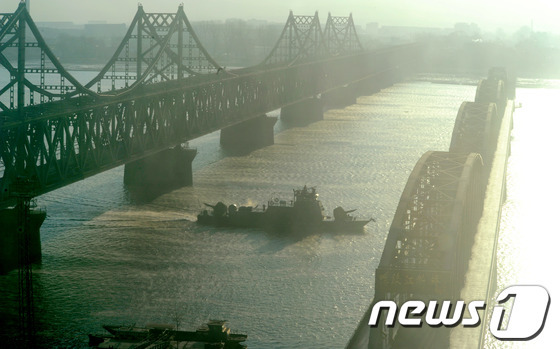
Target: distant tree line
(527, 53)
(238, 43)
(234, 43)
(83, 49)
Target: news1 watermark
(526, 319)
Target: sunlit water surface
(528, 245)
(108, 259)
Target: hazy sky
(488, 14)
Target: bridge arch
(157, 47)
(476, 130)
(301, 38)
(433, 227)
(340, 35)
(428, 246)
(492, 90)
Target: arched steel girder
(301, 39)
(340, 35)
(500, 73)
(476, 130)
(22, 87)
(165, 47)
(492, 91)
(65, 141)
(429, 242)
(157, 47)
(165, 44)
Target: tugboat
(213, 334)
(304, 213)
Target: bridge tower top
(301, 39)
(28, 83)
(340, 35)
(157, 47)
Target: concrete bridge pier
(170, 168)
(340, 97)
(376, 83)
(369, 86)
(11, 237)
(249, 135)
(304, 112)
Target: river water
(109, 259)
(527, 249)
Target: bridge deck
(166, 91)
(480, 280)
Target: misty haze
(260, 175)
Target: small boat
(304, 213)
(214, 334)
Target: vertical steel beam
(180, 45)
(21, 63)
(22, 190)
(292, 24)
(139, 28)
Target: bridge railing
(77, 132)
(157, 47)
(62, 142)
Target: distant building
(234, 21)
(53, 30)
(372, 28)
(59, 25)
(404, 31)
(104, 30)
(257, 22)
(467, 29)
(407, 34)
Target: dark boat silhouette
(304, 213)
(214, 334)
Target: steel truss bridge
(159, 89)
(162, 88)
(428, 248)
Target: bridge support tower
(171, 168)
(11, 237)
(249, 135)
(340, 97)
(304, 112)
(375, 83)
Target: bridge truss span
(159, 89)
(302, 39)
(157, 47)
(476, 130)
(492, 90)
(429, 243)
(69, 140)
(340, 35)
(433, 227)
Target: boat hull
(345, 226)
(282, 222)
(303, 214)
